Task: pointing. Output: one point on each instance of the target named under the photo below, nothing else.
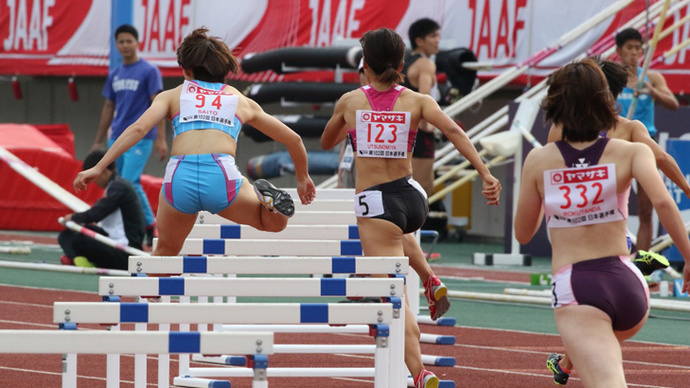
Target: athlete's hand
(81, 182)
(491, 189)
(686, 278)
(306, 191)
(160, 147)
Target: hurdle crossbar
(259, 287)
(236, 231)
(283, 247)
(229, 313)
(303, 217)
(257, 265)
(123, 342)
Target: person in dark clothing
(117, 215)
(420, 76)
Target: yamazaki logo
(36, 25)
(388, 117)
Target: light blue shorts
(201, 182)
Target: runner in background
(129, 90)
(630, 51)
(420, 76)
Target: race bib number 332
(581, 196)
(382, 134)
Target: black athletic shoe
(274, 198)
(559, 377)
(648, 262)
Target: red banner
(72, 37)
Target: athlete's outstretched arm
(432, 113)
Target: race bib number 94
(382, 134)
(581, 196)
(201, 104)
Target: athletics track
(484, 357)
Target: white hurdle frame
(268, 247)
(236, 231)
(68, 342)
(301, 217)
(388, 373)
(313, 219)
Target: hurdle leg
(413, 282)
(140, 374)
(112, 362)
(259, 362)
(382, 356)
(164, 359)
(183, 358)
(69, 362)
(69, 370)
(398, 371)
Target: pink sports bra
(383, 102)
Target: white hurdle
(389, 353)
(115, 342)
(266, 247)
(236, 231)
(261, 265)
(316, 229)
(302, 217)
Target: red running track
(484, 357)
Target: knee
(644, 214)
(412, 330)
(166, 248)
(274, 223)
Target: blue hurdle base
(442, 383)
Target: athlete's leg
(417, 259)
(133, 163)
(591, 345)
(383, 238)
(423, 173)
(644, 213)
(248, 210)
(434, 290)
(173, 228)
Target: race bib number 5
(368, 204)
(201, 104)
(581, 196)
(382, 134)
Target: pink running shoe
(64, 260)
(426, 379)
(436, 294)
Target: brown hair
(580, 101)
(616, 74)
(208, 57)
(384, 51)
